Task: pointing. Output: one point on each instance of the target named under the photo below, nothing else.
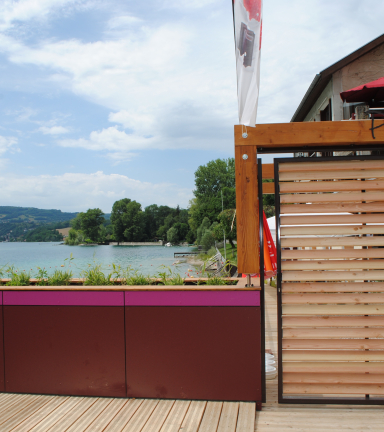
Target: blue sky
(102, 100)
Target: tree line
(211, 214)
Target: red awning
(365, 93)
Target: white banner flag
(247, 18)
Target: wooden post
(247, 209)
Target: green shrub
(168, 277)
(18, 278)
(59, 278)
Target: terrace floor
(57, 413)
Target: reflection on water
(146, 259)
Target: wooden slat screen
(331, 287)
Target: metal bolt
(245, 135)
(245, 156)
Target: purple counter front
(186, 344)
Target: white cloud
(110, 139)
(6, 143)
(54, 130)
(121, 22)
(82, 191)
(12, 11)
(148, 79)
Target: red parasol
(366, 92)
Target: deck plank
(246, 417)
(40, 414)
(11, 400)
(176, 416)
(53, 418)
(14, 408)
(158, 416)
(192, 419)
(103, 420)
(141, 416)
(24, 413)
(72, 415)
(124, 415)
(211, 417)
(90, 415)
(228, 418)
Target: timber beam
(285, 138)
(316, 136)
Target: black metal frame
(262, 296)
(294, 399)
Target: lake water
(146, 259)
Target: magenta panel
(1, 298)
(63, 298)
(192, 298)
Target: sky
(104, 100)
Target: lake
(146, 259)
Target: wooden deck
(78, 414)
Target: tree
(202, 228)
(228, 224)
(213, 180)
(91, 221)
(134, 222)
(118, 211)
(173, 235)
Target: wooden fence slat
(333, 378)
(330, 186)
(333, 310)
(268, 188)
(331, 166)
(344, 298)
(331, 175)
(332, 355)
(374, 389)
(332, 208)
(332, 230)
(333, 321)
(332, 241)
(340, 344)
(336, 287)
(328, 275)
(343, 197)
(330, 219)
(329, 333)
(334, 367)
(332, 265)
(331, 253)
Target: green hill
(31, 214)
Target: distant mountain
(31, 214)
